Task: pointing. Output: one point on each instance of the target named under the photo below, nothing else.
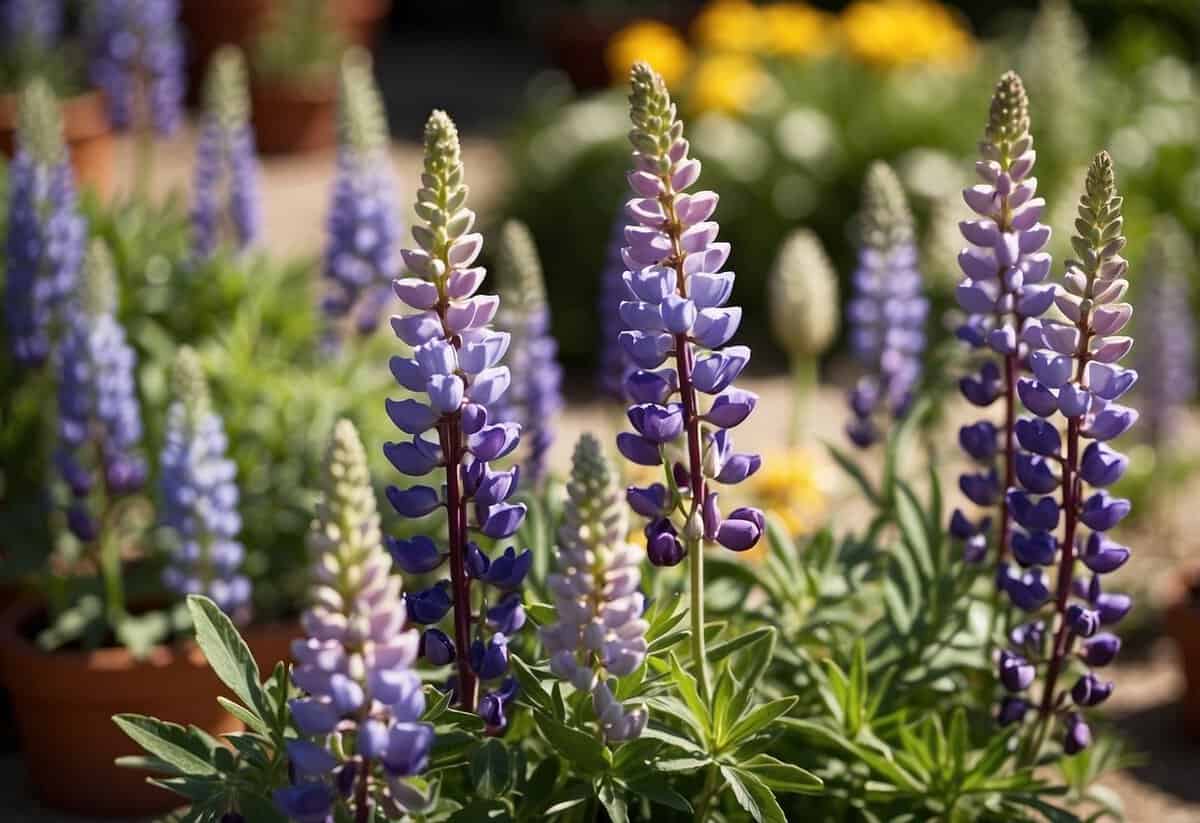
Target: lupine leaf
(653, 790)
(758, 719)
(851, 468)
(227, 653)
(783, 777)
(170, 742)
(753, 796)
(613, 803)
(585, 751)
(491, 769)
(532, 690)
(247, 716)
(632, 757)
(686, 685)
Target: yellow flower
(729, 83)
(730, 25)
(786, 487)
(797, 30)
(899, 33)
(656, 43)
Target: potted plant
(294, 85)
(33, 46)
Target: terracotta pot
(64, 703)
(213, 23)
(1183, 625)
(88, 133)
(294, 115)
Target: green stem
(707, 794)
(114, 586)
(695, 551)
(804, 380)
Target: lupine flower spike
(1075, 367)
(455, 365)
(535, 397)
(46, 234)
(1167, 348)
(802, 295)
(362, 257)
(30, 24)
(136, 59)
(200, 496)
(360, 718)
(100, 424)
(226, 163)
(677, 309)
(887, 313)
(1004, 269)
(615, 365)
(600, 633)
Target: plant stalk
(451, 442)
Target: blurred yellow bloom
(786, 488)
(730, 25)
(729, 83)
(897, 33)
(797, 30)
(656, 43)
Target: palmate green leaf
(783, 777)
(542, 614)
(612, 801)
(722, 700)
(633, 757)
(491, 769)
(588, 754)
(757, 719)
(681, 764)
(655, 731)
(540, 786)
(685, 684)
(913, 527)
(753, 795)
(532, 690)
(653, 789)
(227, 654)
(851, 468)
(751, 659)
(247, 716)
(176, 746)
(480, 810)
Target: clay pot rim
(318, 88)
(84, 115)
(28, 670)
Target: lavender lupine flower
(677, 309)
(615, 365)
(455, 364)
(200, 496)
(535, 397)
(100, 424)
(136, 57)
(1075, 370)
(360, 719)
(226, 163)
(1004, 269)
(887, 313)
(1167, 352)
(46, 234)
(30, 24)
(361, 259)
(600, 632)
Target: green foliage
(301, 42)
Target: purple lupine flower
(1166, 357)
(455, 365)
(676, 308)
(886, 316)
(600, 632)
(361, 258)
(46, 234)
(1076, 365)
(30, 24)
(615, 365)
(1004, 269)
(535, 397)
(355, 665)
(200, 497)
(225, 161)
(136, 57)
(100, 423)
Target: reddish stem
(362, 807)
(1010, 450)
(449, 433)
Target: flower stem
(451, 442)
(362, 807)
(804, 379)
(1063, 637)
